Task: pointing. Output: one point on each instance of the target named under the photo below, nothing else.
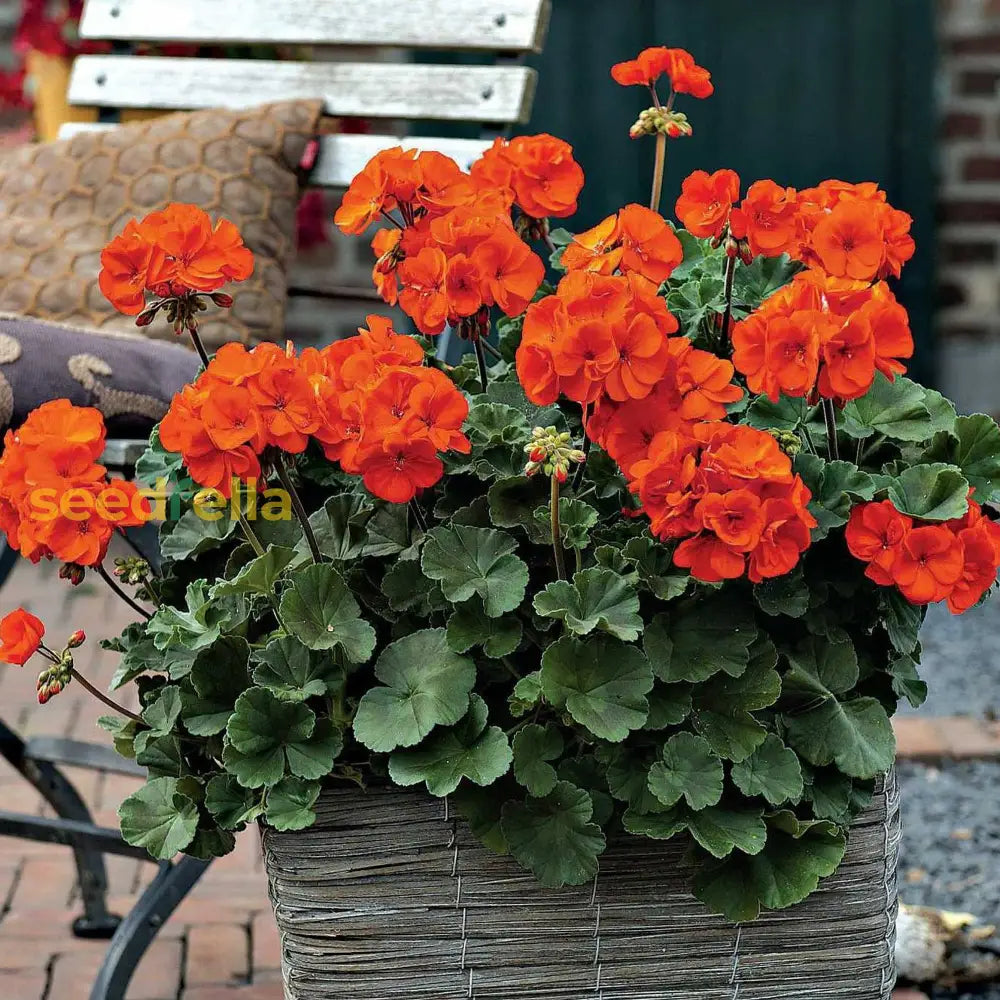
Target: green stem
(300, 511)
(418, 516)
(727, 316)
(250, 534)
(579, 559)
(481, 358)
(857, 453)
(581, 468)
(100, 696)
(199, 346)
(659, 168)
(809, 440)
(113, 584)
(830, 418)
(490, 349)
(557, 531)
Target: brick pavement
(221, 943)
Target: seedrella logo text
(158, 503)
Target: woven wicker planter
(388, 898)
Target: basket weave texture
(388, 897)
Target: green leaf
(469, 750)
(597, 598)
(287, 669)
(469, 561)
(162, 756)
(259, 576)
(936, 492)
(772, 770)
(527, 694)
(554, 836)
(185, 631)
(427, 685)
(388, 531)
(699, 638)
(834, 486)
(513, 503)
(786, 871)
(669, 705)
(721, 831)
(470, 626)
(656, 826)
(654, 565)
(219, 675)
(627, 773)
(689, 769)
(761, 279)
(497, 423)
(409, 590)
(906, 682)
(156, 463)
(534, 747)
(162, 713)
(290, 804)
(265, 733)
(481, 809)
(901, 619)
(192, 535)
(896, 409)
(855, 734)
(576, 518)
(786, 415)
(159, 818)
(602, 683)
(973, 445)
(340, 527)
(231, 805)
(320, 611)
(783, 595)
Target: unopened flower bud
(561, 473)
(145, 318)
(537, 454)
(162, 290)
(72, 572)
(222, 300)
(177, 289)
(77, 639)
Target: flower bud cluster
(653, 121)
(551, 452)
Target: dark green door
(805, 90)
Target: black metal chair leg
(56, 789)
(137, 931)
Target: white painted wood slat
(343, 156)
(504, 25)
(495, 94)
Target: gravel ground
(950, 855)
(961, 662)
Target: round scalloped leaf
(595, 599)
(721, 831)
(534, 748)
(159, 818)
(426, 685)
(470, 626)
(467, 561)
(601, 682)
(936, 492)
(293, 673)
(290, 804)
(319, 610)
(232, 806)
(772, 770)
(553, 837)
(786, 871)
(218, 677)
(689, 769)
(973, 444)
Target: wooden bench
(377, 82)
(365, 50)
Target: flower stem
(659, 166)
(727, 316)
(281, 467)
(557, 550)
(809, 440)
(582, 467)
(100, 696)
(481, 358)
(250, 534)
(490, 349)
(199, 346)
(830, 417)
(113, 584)
(418, 516)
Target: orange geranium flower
(768, 217)
(686, 76)
(649, 246)
(929, 562)
(598, 249)
(398, 470)
(125, 266)
(510, 272)
(423, 296)
(21, 635)
(849, 241)
(874, 534)
(706, 202)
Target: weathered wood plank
(343, 156)
(505, 25)
(495, 94)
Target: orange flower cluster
(368, 400)
(635, 240)
(175, 252)
(822, 335)
(457, 253)
(846, 230)
(954, 561)
(55, 499)
(686, 76)
(21, 634)
(729, 492)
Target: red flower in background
(21, 635)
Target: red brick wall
(969, 234)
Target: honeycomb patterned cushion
(61, 202)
